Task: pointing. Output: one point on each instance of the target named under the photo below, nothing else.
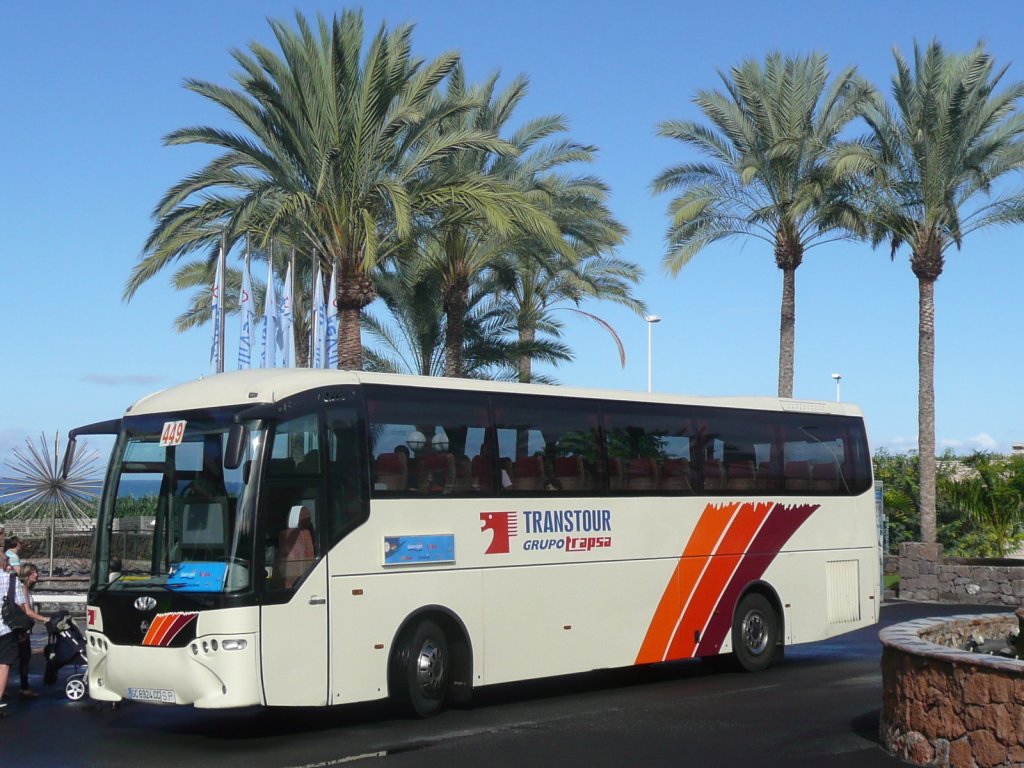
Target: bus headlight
(233, 644)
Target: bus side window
(441, 436)
(554, 442)
(649, 448)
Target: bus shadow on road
(254, 723)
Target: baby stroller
(65, 645)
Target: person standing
(29, 576)
(13, 554)
(8, 641)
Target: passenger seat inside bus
(825, 477)
(528, 474)
(798, 475)
(642, 474)
(435, 473)
(614, 473)
(392, 472)
(568, 471)
(675, 475)
(740, 475)
(714, 477)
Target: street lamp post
(651, 320)
(838, 377)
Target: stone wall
(926, 576)
(945, 707)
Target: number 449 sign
(174, 432)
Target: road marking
(341, 760)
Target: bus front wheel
(755, 633)
(420, 670)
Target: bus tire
(421, 670)
(755, 633)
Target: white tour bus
(323, 537)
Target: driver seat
(296, 552)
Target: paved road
(819, 707)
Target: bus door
(294, 621)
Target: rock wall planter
(942, 706)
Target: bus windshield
(174, 517)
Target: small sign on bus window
(174, 432)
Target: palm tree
(537, 292)
(462, 246)
(928, 167)
(767, 176)
(533, 280)
(989, 491)
(415, 339)
(336, 151)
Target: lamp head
(416, 440)
(837, 376)
(652, 318)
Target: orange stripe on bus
(715, 578)
(696, 553)
(167, 630)
(155, 629)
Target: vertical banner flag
(248, 307)
(217, 347)
(269, 359)
(287, 332)
(331, 358)
(318, 335)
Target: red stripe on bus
(716, 578)
(780, 526)
(696, 554)
(180, 621)
(166, 627)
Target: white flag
(270, 323)
(248, 307)
(332, 327)
(317, 335)
(216, 353)
(287, 332)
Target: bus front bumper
(210, 672)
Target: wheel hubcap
(755, 633)
(430, 668)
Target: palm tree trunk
(355, 290)
(350, 342)
(787, 332)
(926, 406)
(526, 336)
(455, 303)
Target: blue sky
(92, 88)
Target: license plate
(160, 695)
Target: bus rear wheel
(420, 670)
(755, 633)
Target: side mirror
(69, 457)
(238, 441)
(111, 427)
